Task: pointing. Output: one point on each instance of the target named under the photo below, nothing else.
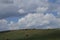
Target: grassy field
(50, 34)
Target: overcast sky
(22, 14)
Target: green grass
(50, 34)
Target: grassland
(40, 34)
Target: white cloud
(3, 25)
(38, 19)
(21, 6)
(58, 11)
(3, 21)
(32, 5)
(35, 18)
(41, 9)
(27, 3)
(21, 11)
(54, 7)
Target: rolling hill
(31, 34)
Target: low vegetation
(33, 34)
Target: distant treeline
(4, 31)
(26, 29)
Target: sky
(29, 14)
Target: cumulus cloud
(37, 20)
(54, 7)
(33, 20)
(3, 25)
(13, 7)
(21, 11)
(39, 14)
(41, 9)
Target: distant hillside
(36, 34)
